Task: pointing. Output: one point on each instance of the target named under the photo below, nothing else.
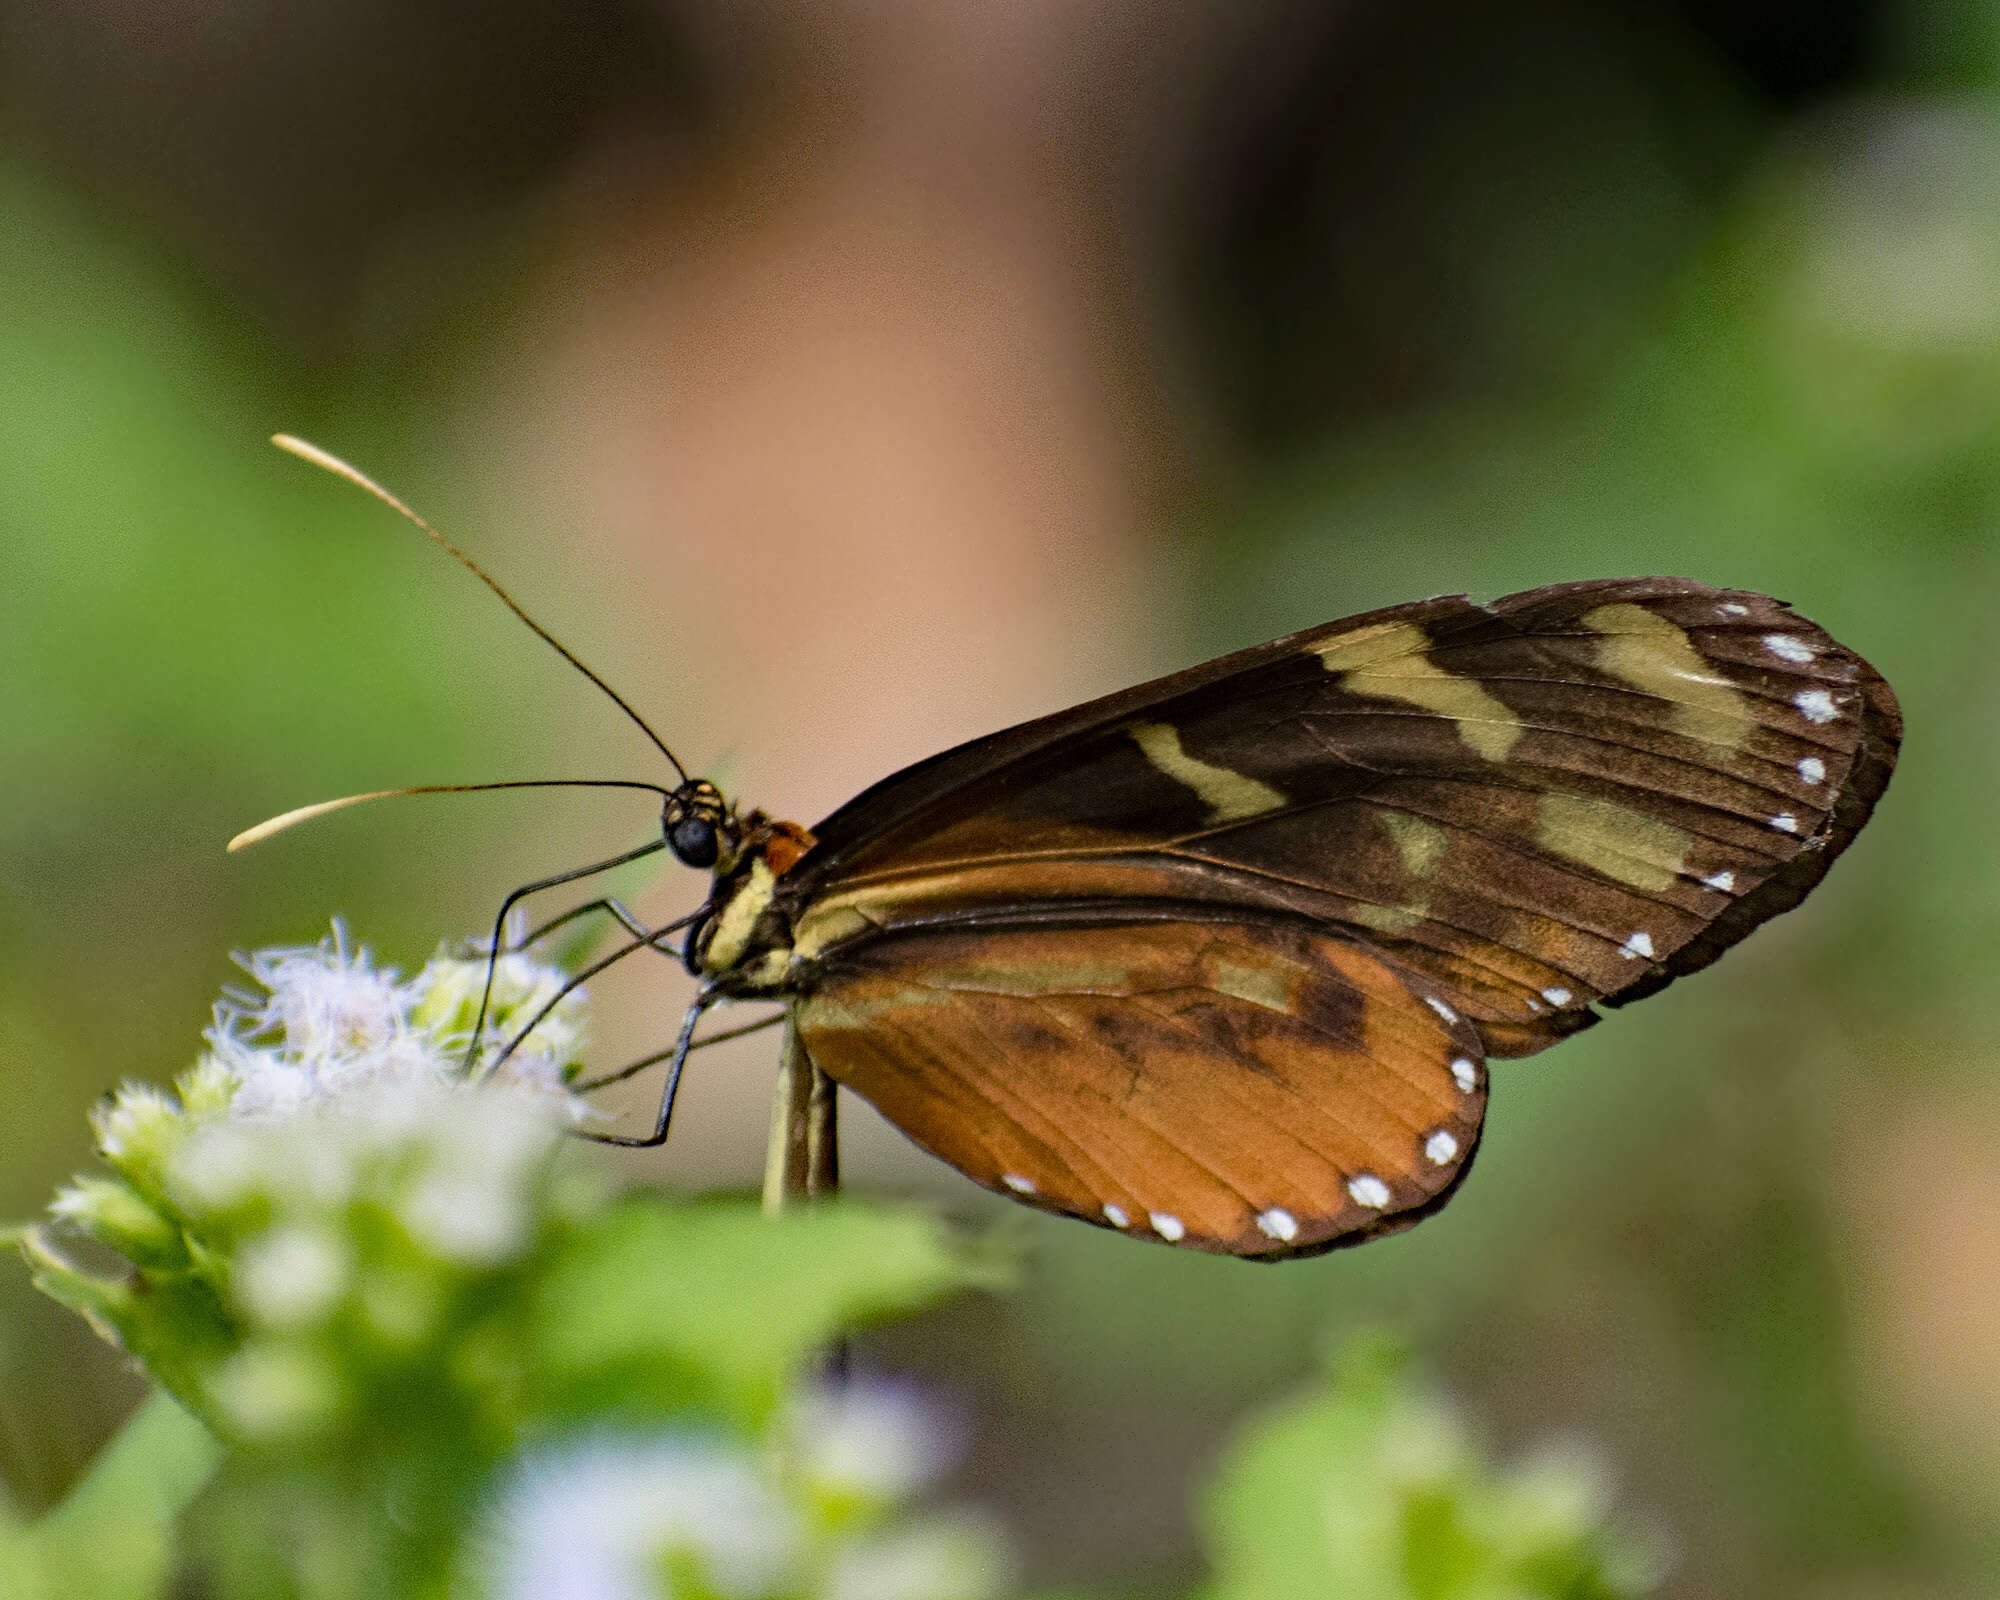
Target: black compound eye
(693, 840)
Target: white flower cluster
(362, 1169)
(816, 1517)
(349, 1249)
(329, 1021)
(329, 1176)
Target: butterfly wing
(1245, 1087)
(1573, 794)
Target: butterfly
(1221, 960)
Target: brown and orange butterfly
(1220, 960)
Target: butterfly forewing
(1252, 1088)
(1565, 796)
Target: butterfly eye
(693, 840)
(692, 820)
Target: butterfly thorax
(745, 939)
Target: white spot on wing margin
(1368, 1190)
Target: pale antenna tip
(290, 819)
(294, 445)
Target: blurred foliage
(1370, 1489)
(367, 1271)
(117, 1536)
(445, 1364)
(169, 625)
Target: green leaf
(1301, 1507)
(715, 1306)
(104, 1302)
(113, 1538)
(1369, 1489)
(171, 1322)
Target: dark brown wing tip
(1868, 777)
(1506, 1040)
(1564, 597)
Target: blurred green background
(842, 380)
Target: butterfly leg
(678, 1056)
(500, 928)
(614, 909)
(633, 1069)
(650, 941)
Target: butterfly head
(698, 824)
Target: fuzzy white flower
(329, 1001)
(329, 1021)
(338, 1085)
(870, 1439)
(605, 1519)
(271, 1390)
(445, 999)
(290, 1277)
(295, 1163)
(487, 1149)
(461, 1219)
(458, 1165)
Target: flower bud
(112, 1214)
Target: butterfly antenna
(307, 451)
(292, 819)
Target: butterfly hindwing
(1570, 795)
(1246, 1087)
